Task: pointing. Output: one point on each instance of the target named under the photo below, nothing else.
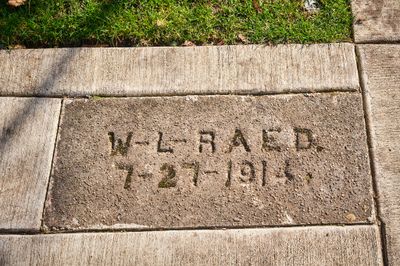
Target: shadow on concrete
(22, 114)
(98, 17)
(28, 110)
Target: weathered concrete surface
(211, 161)
(376, 21)
(381, 75)
(184, 70)
(28, 129)
(356, 245)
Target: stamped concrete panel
(290, 246)
(27, 136)
(210, 161)
(376, 21)
(381, 75)
(183, 70)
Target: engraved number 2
(169, 179)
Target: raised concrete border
(356, 245)
(381, 81)
(376, 20)
(328, 68)
(178, 71)
(28, 128)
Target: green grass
(52, 23)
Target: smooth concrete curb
(331, 245)
(381, 78)
(28, 128)
(376, 21)
(252, 69)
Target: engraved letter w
(117, 146)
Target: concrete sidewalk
(249, 155)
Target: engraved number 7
(195, 166)
(129, 169)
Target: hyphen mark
(211, 172)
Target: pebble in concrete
(381, 76)
(376, 21)
(28, 129)
(210, 161)
(356, 245)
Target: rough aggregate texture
(204, 161)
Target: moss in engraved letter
(169, 176)
(237, 140)
(117, 146)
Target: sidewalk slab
(205, 161)
(381, 75)
(178, 70)
(28, 129)
(356, 245)
(376, 21)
